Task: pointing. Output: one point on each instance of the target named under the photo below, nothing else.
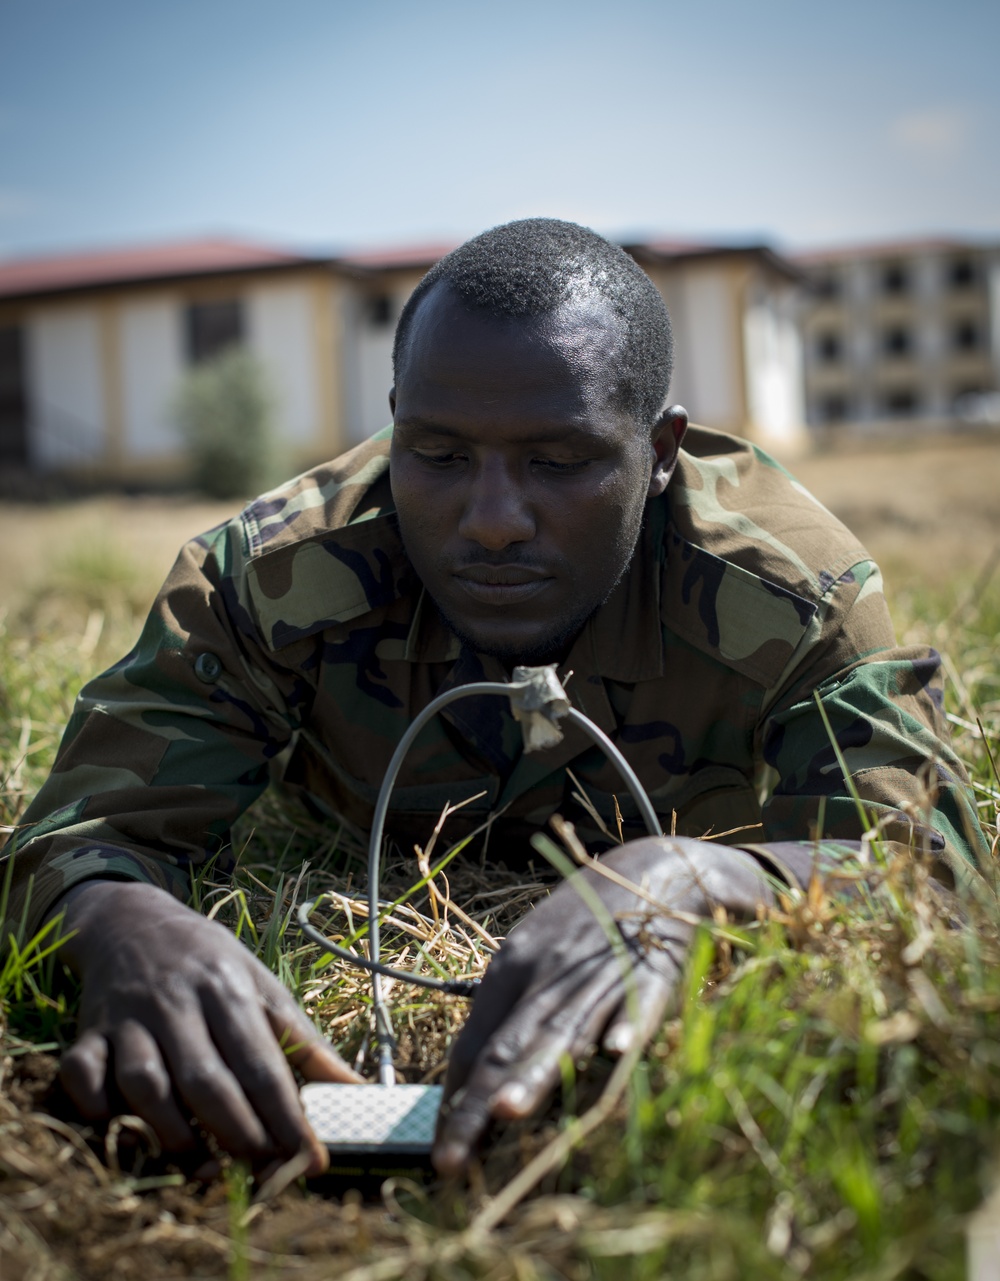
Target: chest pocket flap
(748, 623)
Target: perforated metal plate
(373, 1118)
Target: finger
(316, 1060)
(521, 1065)
(247, 1043)
(641, 1013)
(571, 1033)
(145, 1085)
(493, 1020)
(83, 1072)
(303, 1046)
(206, 1085)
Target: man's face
(519, 490)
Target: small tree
(224, 410)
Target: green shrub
(224, 410)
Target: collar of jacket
(325, 550)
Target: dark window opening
(897, 341)
(961, 274)
(895, 280)
(830, 348)
(965, 336)
(834, 408)
(379, 311)
(212, 327)
(900, 402)
(13, 401)
(826, 287)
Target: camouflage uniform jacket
(297, 638)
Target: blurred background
(211, 214)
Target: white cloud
(934, 132)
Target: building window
(897, 341)
(830, 347)
(211, 327)
(378, 311)
(900, 403)
(965, 336)
(13, 402)
(961, 274)
(826, 287)
(895, 280)
(834, 408)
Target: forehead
(463, 360)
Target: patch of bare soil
(76, 1205)
(68, 1209)
(927, 510)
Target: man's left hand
(557, 987)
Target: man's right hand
(181, 1024)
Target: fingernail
(619, 1039)
(449, 1159)
(513, 1096)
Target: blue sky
(328, 125)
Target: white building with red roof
(93, 346)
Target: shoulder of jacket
(323, 548)
(750, 554)
(327, 497)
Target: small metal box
(373, 1120)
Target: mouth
(501, 584)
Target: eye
(561, 468)
(445, 459)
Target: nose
(496, 510)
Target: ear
(392, 400)
(664, 444)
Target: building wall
(368, 313)
(876, 354)
(704, 311)
(152, 364)
(65, 391)
(280, 334)
(773, 363)
(102, 374)
(738, 355)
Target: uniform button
(207, 668)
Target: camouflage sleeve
(162, 751)
(884, 708)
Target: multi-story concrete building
(93, 347)
(906, 332)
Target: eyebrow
(544, 437)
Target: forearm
(41, 873)
(162, 753)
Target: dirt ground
(927, 510)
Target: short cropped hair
(531, 268)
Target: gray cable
(461, 987)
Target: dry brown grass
(928, 511)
